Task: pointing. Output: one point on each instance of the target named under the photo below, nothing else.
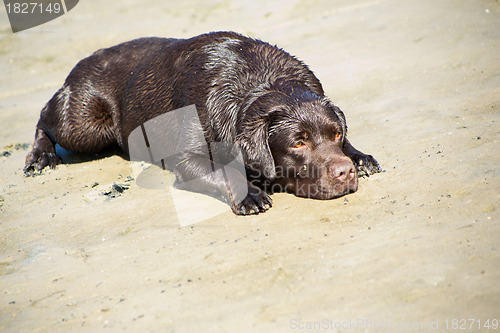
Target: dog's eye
(337, 136)
(299, 144)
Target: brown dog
(246, 92)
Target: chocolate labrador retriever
(246, 92)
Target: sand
(415, 249)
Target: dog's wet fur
(246, 92)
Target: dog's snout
(343, 171)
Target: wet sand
(416, 248)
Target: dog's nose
(343, 171)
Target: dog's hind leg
(78, 121)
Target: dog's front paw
(255, 202)
(366, 165)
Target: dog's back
(222, 73)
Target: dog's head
(296, 142)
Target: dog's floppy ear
(340, 115)
(253, 139)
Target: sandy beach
(83, 247)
